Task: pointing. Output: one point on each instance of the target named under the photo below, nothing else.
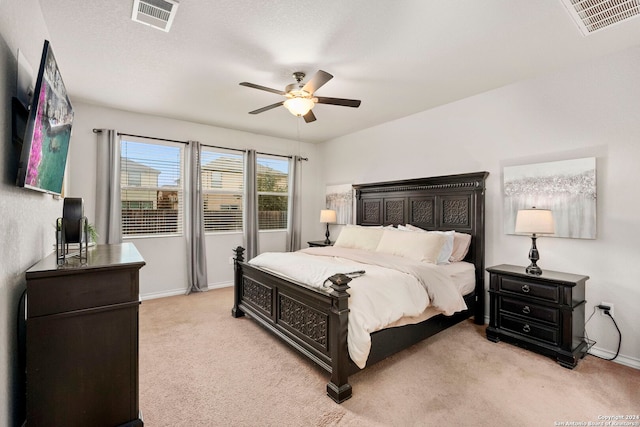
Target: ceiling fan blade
(317, 81)
(309, 117)
(268, 107)
(268, 89)
(355, 103)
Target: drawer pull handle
(526, 309)
(526, 328)
(525, 288)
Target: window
(273, 192)
(222, 190)
(222, 186)
(151, 177)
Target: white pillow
(358, 237)
(447, 248)
(423, 247)
(461, 242)
(413, 228)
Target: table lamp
(328, 216)
(534, 221)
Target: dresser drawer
(530, 289)
(532, 311)
(530, 329)
(64, 293)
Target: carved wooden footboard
(310, 320)
(314, 321)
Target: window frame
(179, 188)
(274, 193)
(219, 190)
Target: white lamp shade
(535, 221)
(328, 216)
(299, 106)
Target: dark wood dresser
(82, 339)
(541, 313)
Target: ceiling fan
(300, 99)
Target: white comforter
(391, 287)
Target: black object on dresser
(542, 313)
(82, 339)
(319, 243)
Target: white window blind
(151, 175)
(222, 189)
(273, 192)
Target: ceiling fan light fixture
(299, 106)
(300, 97)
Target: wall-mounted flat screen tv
(46, 141)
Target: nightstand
(542, 313)
(316, 243)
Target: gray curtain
(250, 218)
(108, 219)
(294, 221)
(196, 250)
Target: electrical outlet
(608, 304)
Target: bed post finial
(237, 281)
(339, 388)
(239, 252)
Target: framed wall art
(340, 199)
(567, 188)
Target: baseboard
(621, 359)
(221, 285)
(163, 294)
(174, 292)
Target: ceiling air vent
(155, 13)
(596, 15)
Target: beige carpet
(201, 367)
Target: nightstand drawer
(530, 289)
(529, 329)
(533, 311)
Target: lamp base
(326, 235)
(534, 256)
(534, 270)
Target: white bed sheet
(463, 275)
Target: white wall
(165, 272)
(591, 110)
(27, 217)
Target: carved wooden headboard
(452, 202)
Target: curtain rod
(206, 145)
(281, 155)
(147, 137)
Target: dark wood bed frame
(314, 322)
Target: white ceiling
(399, 57)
